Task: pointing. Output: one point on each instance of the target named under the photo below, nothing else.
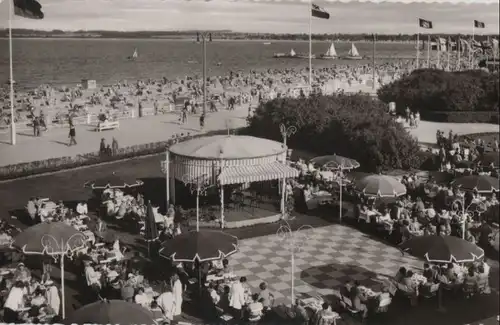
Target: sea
(66, 62)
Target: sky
(264, 17)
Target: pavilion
(226, 159)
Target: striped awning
(256, 173)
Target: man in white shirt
(13, 303)
(166, 303)
(141, 298)
(237, 297)
(93, 278)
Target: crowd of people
(46, 105)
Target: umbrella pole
(62, 288)
(198, 208)
(340, 198)
(440, 300)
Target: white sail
(331, 51)
(135, 55)
(292, 52)
(353, 51)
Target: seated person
(414, 227)
(156, 310)
(385, 217)
(265, 296)
(39, 298)
(93, 278)
(482, 279)
(32, 209)
(324, 312)
(357, 300)
(255, 308)
(22, 273)
(214, 295)
(430, 212)
(226, 269)
(141, 298)
(400, 275)
(470, 281)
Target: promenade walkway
(54, 143)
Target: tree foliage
(354, 126)
(430, 90)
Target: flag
(427, 24)
(319, 12)
(479, 24)
(494, 44)
(442, 44)
(28, 9)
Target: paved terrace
(54, 142)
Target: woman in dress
(53, 299)
(177, 292)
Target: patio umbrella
(380, 185)
(335, 162)
(490, 158)
(114, 181)
(338, 163)
(151, 231)
(201, 246)
(479, 183)
(464, 164)
(353, 176)
(55, 239)
(442, 249)
(111, 312)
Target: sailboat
(331, 53)
(292, 54)
(353, 53)
(134, 56)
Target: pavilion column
(167, 179)
(172, 188)
(283, 184)
(222, 219)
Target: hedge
(461, 117)
(351, 125)
(431, 90)
(33, 168)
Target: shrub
(430, 90)
(355, 126)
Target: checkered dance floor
(328, 257)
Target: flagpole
(418, 42)
(459, 50)
(11, 81)
(373, 63)
(310, 45)
(428, 51)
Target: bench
(107, 125)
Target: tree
(355, 126)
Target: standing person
(184, 115)
(102, 147)
(202, 121)
(166, 303)
(156, 106)
(14, 302)
(53, 299)
(72, 134)
(36, 128)
(114, 147)
(177, 292)
(237, 297)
